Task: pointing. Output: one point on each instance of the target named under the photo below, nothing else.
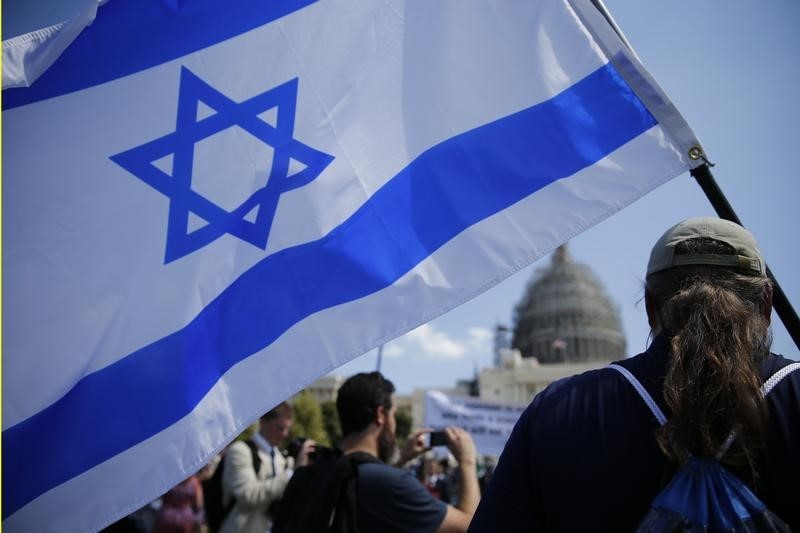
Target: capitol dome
(565, 315)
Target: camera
(318, 453)
(293, 448)
(435, 438)
(323, 453)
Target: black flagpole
(780, 302)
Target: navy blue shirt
(392, 500)
(583, 456)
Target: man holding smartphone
(364, 486)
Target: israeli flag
(208, 205)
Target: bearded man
(386, 498)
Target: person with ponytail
(593, 451)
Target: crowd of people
(590, 453)
(256, 485)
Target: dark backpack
(216, 508)
(702, 495)
(322, 498)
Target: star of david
(181, 143)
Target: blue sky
(731, 69)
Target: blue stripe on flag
(444, 191)
(133, 35)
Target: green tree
(308, 419)
(404, 421)
(330, 421)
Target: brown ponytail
(714, 320)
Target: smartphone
(435, 438)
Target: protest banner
(489, 423)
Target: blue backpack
(704, 496)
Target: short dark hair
(359, 398)
(282, 410)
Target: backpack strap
(766, 388)
(776, 378)
(648, 400)
(345, 516)
(217, 506)
(254, 455)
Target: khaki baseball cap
(748, 257)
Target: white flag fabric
(208, 205)
(27, 56)
(489, 423)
